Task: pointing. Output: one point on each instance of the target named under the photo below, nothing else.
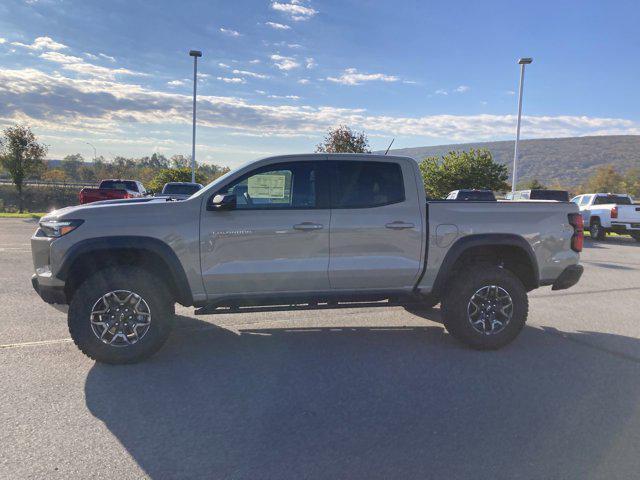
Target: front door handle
(399, 225)
(308, 226)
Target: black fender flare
(483, 240)
(141, 243)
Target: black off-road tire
(133, 279)
(636, 236)
(596, 230)
(461, 289)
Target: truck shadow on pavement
(375, 403)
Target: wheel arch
(88, 256)
(511, 251)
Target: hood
(69, 212)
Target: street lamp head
(525, 61)
(195, 53)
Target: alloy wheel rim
(120, 318)
(490, 310)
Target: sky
(276, 75)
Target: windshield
(605, 199)
(180, 189)
(119, 185)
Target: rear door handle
(308, 226)
(399, 225)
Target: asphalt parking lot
(347, 393)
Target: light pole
(95, 154)
(195, 54)
(522, 62)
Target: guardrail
(43, 183)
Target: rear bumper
(568, 278)
(625, 227)
(48, 293)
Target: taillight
(577, 239)
(614, 212)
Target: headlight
(58, 228)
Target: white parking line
(36, 344)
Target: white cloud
(108, 57)
(284, 63)
(90, 56)
(288, 97)
(58, 103)
(441, 91)
(278, 26)
(303, 81)
(2, 40)
(294, 10)
(42, 43)
(78, 65)
(223, 65)
(510, 92)
(247, 73)
(462, 89)
(177, 83)
(310, 62)
(254, 61)
(294, 45)
(232, 79)
(229, 32)
(351, 76)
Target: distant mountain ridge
(568, 161)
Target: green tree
(534, 184)
(71, 165)
(180, 161)
(174, 175)
(605, 179)
(21, 155)
(344, 140)
(458, 169)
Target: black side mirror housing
(222, 202)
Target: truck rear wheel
(486, 307)
(119, 316)
(636, 236)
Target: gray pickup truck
(307, 230)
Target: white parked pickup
(609, 212)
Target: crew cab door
(376, 225)
(276, 239)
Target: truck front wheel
(118, 315)
(486, 307)
(596, 230)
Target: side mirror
(222, 202)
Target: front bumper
(568, 278)
(50, 294)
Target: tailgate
(629, 214)
(88, 195)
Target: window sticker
(268, 185)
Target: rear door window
(356, 184)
